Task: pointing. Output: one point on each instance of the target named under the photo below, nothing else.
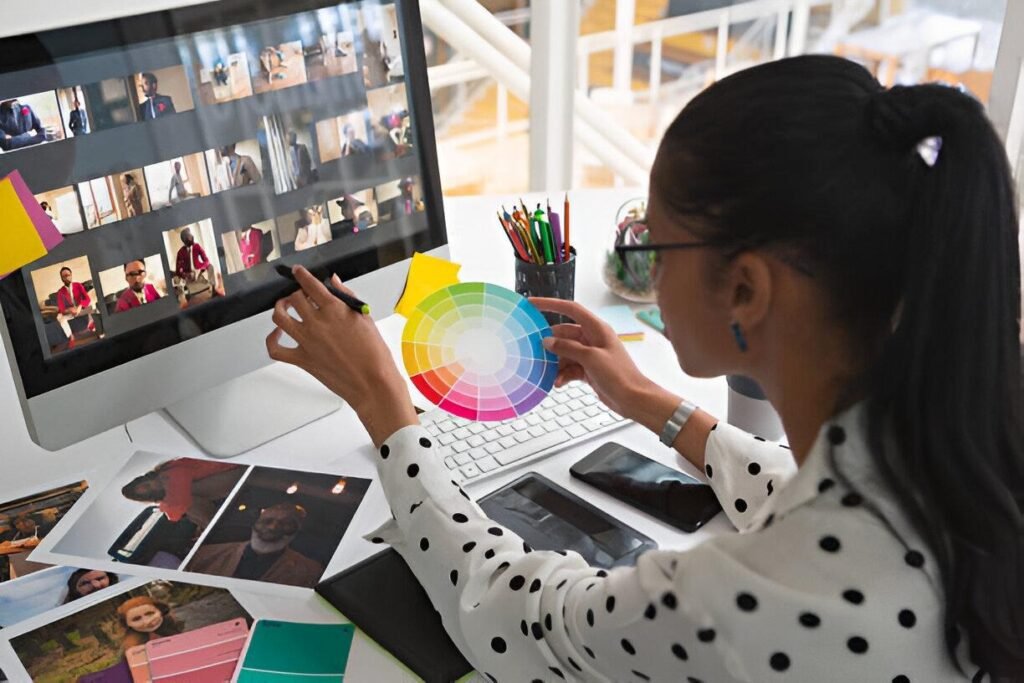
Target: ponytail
(916, 248)
(947, 386)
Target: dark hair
(810, 157)
(138, 260)
(73, 593)
(61, 272)
(149, 76)
(129, 492)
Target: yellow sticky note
(427, 274)
(20, 242)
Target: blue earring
(737, 333)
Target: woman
(82, 582)
(132, 195)
(874, 293)
(311, 230)
(145, 619)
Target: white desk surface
(339, 441)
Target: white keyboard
(473, 451)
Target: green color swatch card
(282, 651)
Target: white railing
(489, 49)
(790, 36)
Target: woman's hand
(343, 349)
(589, 350)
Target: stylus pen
(349, 300)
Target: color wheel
(474, 350)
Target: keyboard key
(592, 411)
(490, 435)
(450, 463)
(550, 426)
(432, 429)
(487, 464)
(446, 439)
(469, 471)
(596, 423)
(445, 451)
(579, 416)
(589, 400)
(575, 392)
(535, 431)
(475, 440)
(507, 441)
(446, 426)
(476, 428)
(565, 421)
(575, 404)
(533, 419)
(534, 446)
(460, 446)
(494, 447)
(477, 453)
(547, 415)
(462, 433)
(463, 458)
(519, 425)
(522, 437)
(506, 430)
(576, 431)
(562, 410)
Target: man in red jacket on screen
(139, 292)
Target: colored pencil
(556, 232)
(568, 253)
(512, 238)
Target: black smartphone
(662, 492)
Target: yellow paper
(427, 274)
(20, 243)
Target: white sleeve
(524, 615)
(744, 470)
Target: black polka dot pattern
(741, 505)
(779, 661)
(385, 451)
(517, 582)
(535, 585)
(609, 604)
(425, 442)
(498, 645)
(706, 635)
(680, 651)
(746, 602)
(708, 471)
(460, 518)
(650, 612)
(754, 469)
(857, 645)
(853, 596)
(495, 531)
(454, 577)
(424, 544)
(810, 620)
(489, 554)
(466, 547)
(907, 618)
(628, 646)
(825, 484)
(669, 600)
(914, 559)
(412, 470)
(829, 544)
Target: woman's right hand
(589, 350)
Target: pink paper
(48, 232)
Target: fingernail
(548, 343)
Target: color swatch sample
(28, 233)
(281, 651)
(205, 655)
(474, 350)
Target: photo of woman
(84, 582)
(145, 619)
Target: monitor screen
(185, 153)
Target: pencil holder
(555, 280)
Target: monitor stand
(251, 410)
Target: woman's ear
(749, 287)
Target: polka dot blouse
(826, 581)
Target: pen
(545, 235)
(556, 232)
(565, 217)
(349, 300)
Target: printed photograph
(62, 207)
(286, 141)
(280, 527)
(222, 70)
(97, 106)
(250, 246)
(29, 121)
(47, 589)
(342, 136)
(24, 522)
(162, 92)
(133, 284)
(235, 165)
(352, 213)
(307, 228)
(114, 198)
(68, 304)
(153, 511)
(402, 197)
(382, 52)
(90, 645)
(195, 266)
(389, 117)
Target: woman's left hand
(343, 349)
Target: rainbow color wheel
(474, 350)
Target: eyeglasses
(640, 260)
(135, 273)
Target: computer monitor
(184, 154)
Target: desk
(477, 243)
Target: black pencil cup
(555, 280)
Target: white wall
(68, 12)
